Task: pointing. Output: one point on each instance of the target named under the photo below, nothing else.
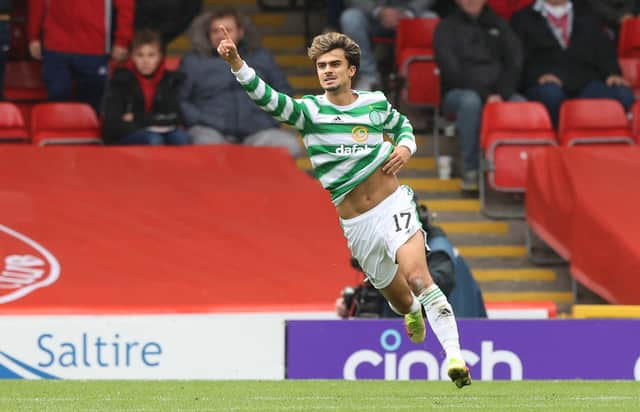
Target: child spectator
(142, 107)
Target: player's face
(147, 58)
(334, 71)
(229, 22)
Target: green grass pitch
(317, 396)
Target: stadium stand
(491, 245)
(511, 132)
(12, 124)
(64, 123)
(593, 121)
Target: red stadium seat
(631, 72)
(418, 75)
(629, 38)
(593, 121)
(12, 125)
(510, 133)
(23, 81)
(415, 60)
(64, 123)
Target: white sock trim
(415, 307)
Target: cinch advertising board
(493, 349)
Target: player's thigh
(412, 263)
(412, 255)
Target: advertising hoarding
(493, 349)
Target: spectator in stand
(73, 39)
(141, 105)
(334, 10)
(5, 16)
(170, 18)
(480, 60)
(613, 12)
(216, 108)
(363, 19)
(566, 55)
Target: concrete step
(452, 205)
(288, 42)
(432, 184)
(526, 274)
(496, 228)
(271, 20)
(294, 61)
(497, 251)
(523, 296)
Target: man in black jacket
(567, 55)
(480, 60)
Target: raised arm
(279, 105)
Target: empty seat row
(49, 123)
(512, 131)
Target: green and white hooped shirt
(345, 143)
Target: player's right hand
(227, 50)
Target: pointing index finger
(225, 32)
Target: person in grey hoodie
(216, 109)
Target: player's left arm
(399, 128)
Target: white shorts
(375, 236)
